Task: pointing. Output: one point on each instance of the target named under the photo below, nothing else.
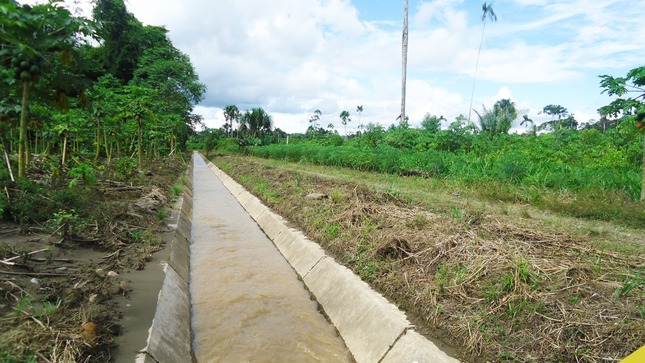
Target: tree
(633, 108)
(314, 118)
(526, 121)
(500, 119)
(432, 123)
(231, 114)
(560, 118)
(124, 38)
(359, 110)
(487, 10)
(28, 35)
(257, 122)
(344, 117)
(404, 61)
(171, 73)
(507, 112)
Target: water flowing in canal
(248, 304)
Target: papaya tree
(632, 108)
(29, 34)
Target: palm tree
(500, 119)
(487, 10)
(344, 116)
(231, 114)
(257, 121)
(404, 60)
(526, 121)
(507, 112)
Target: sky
(292, 57)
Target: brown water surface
(248, 304)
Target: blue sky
(292, 57)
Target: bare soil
(61, 281)
(497, 287)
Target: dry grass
(497, 286)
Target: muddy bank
(61, 279)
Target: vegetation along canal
(247, 302)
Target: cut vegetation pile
(496, 286)
(63, 247)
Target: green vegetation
(83, 129)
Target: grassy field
(495, 279)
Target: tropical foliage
(132, 94)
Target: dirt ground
(64, 284)
(497, 287)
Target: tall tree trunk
(140, 146)
(404, 60)
(23, 159)
(98, 138)
(64, 151)
(472, 93)
(643, 181)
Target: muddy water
(247, 302)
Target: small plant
(125, 166)
(136, 236)
(176, 190)
(67, 223)
(337, 196)
(524, 273)
(162, 214)
(630, 283)
(514, 309)
(81, 172)
(331, 231)
(418, 222)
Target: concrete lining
(271, 223)
(366, 320)
(413, 347)
(169, 338)
(373, 329)
(301, 253)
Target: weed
(365, 267)
(419, 221)
(514, 309)
(337, 196)
(162, 214)
(82, 172)
(176, 190)
(439, 310)
(450, 275)
(508, 282)
(67, 223)
(136, 236)
(457, 215)
(630, 283)
(331, 231)
(523, 271)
